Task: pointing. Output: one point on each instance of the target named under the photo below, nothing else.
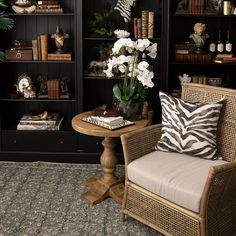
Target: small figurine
(59, 37)
(43, 90)
(199, 37)
(97, 67)
(64, 92)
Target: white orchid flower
(142, 44)
(143, 65)
(108, 73)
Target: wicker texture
(217, 215)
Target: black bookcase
(42, 145)
(179, 27)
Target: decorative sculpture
(59, 37)
(23, 6)
(199, 37)
(124, 8)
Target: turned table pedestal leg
(108, 184)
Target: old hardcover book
(59, 57)
(135, 25)
(106, 126)
(29, 118)
(53, 89)
(44, 46)
(54, 127)
(35, 50)
(139, 24)
(144, 24)
(59, 10)
(150, 24)
(109, 120)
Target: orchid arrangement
(127, 60)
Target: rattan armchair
(217, 214)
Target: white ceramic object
(121, 34)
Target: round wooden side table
(107, 185)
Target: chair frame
(217, 216)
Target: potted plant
(5, 24)
(129, 62)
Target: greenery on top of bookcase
(5, 24)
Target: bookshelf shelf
(38, 100)
(114, 39)
(202, 64)
(42, 62)
(41, 14)
(204, 16)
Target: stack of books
(110, 123)
(184, 48)
(224, 58)
(52, 121)
(48, 6)
(196, 7)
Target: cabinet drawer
(28, 141)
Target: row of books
(48, 6)
(144, 26)
(52, 121)
(193, 57)
(195, 6)
(40, 51)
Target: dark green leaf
(2, 56)
(5, 22)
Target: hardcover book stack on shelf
(42, 121)
(224, 58)
(48, 6)
(184, 52)
(144, 26)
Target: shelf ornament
(59, 37)
(124, 8)
(199, 37)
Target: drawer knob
(14, 141)
(61, 142)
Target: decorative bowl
(214, 81)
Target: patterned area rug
(43, 199)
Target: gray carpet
(43, 199)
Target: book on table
(95, 121)
(109, 120)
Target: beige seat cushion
(177, 177)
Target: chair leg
(122, 216)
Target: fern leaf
(5, 22)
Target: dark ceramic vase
(130, 112)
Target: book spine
(37, 10)
(139, 24)
(59, 57)
(56, 6)
(35, 49)
(135, 25)
(150, 24)
(39, 48)
(144, 24)
(44, 46)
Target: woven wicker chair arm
(220, 189)
(140, 142)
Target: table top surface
(94, 130)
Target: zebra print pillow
(189, 128)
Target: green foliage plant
(6, 23)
